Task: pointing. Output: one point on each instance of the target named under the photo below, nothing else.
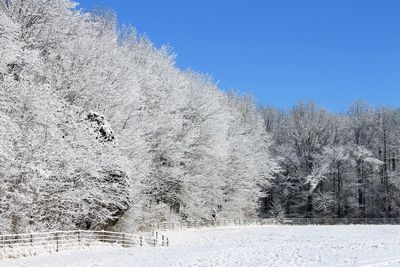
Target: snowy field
(357, 245)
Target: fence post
(162, 242)
(31, 241)
(56, 234)
(123, 240)
(141, 241)
(79, 236)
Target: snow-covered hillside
(355, 245)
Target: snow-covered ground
(354, 245)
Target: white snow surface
(351, 245)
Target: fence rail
(15, 245)
(342, 221)
(176, 225)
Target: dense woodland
(335, 165)
(99, 129)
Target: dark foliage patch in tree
(101, 127)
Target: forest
(334, 165)
(100, 129)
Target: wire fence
(17, 245)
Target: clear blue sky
(281, 51)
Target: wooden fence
(16, 245)
(342, 221)
(176, 225)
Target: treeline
(334, 165)
(100, 129)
